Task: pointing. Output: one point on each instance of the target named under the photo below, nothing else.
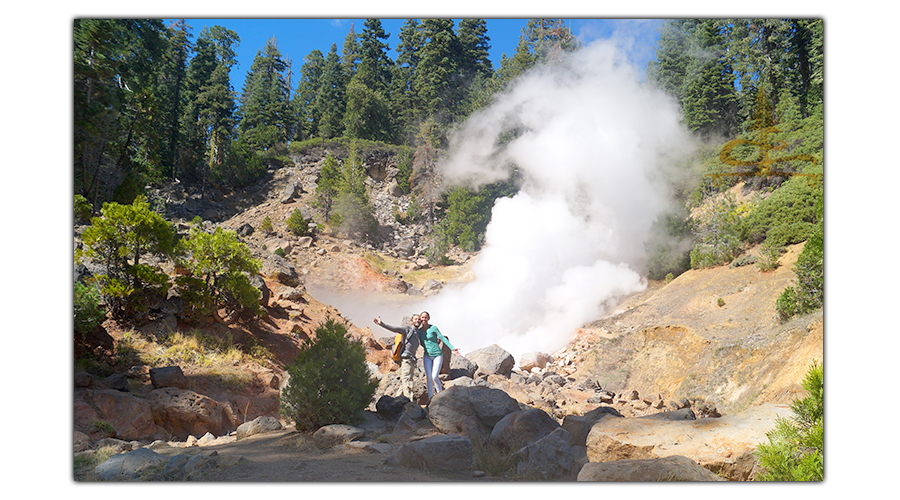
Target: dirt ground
(290, 456)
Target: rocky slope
(710, 339)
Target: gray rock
(522, 428)
(168, 376)
(335, 434)
(550, 458)
(440, 453)
(671, 468)
(493, 359)
(471, 411)
(129, 466)
(258, 425)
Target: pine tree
(331, 101)
(304, 102)
(374, 70)
(265, 112)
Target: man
(408, 355)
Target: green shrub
(89, 313)
(119, 238)
(297, 224)
(796, 447)
(217, 265)
(769, 255)
(786, 217)
(83, 210)
(715, 229)
(266, 225)
(786, 304)
(329, 380)
(808, 292)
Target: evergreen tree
(475, 46)
(374, 70)
(116, 77)
(437, 74)
(173, 83)
(350, 54)
(407, 109)
(331, 100)
(209, 121)
(304, 103)
(265, 112)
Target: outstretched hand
(377, 320)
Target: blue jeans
(432, 371)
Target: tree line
(153, 104)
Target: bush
(89, 313)
(83, 210)
(297, 224)
(266, 225)
(329, 380)
(796, 448)
(217, 268)
(119, 238)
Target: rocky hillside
(709, 340)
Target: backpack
(398, 347)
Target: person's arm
(444, 340)
(395, 329)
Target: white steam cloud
(593, 146)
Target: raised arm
(395, 329)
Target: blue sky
(298, 37)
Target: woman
(433, 357)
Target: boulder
(129, 417)
(671, 468)
(184, 413)
(472, 411)
(278, 269)
(290, 191)
(258, 425)
(460, 366)
(389, 407)
(168, 376)
(129, 466)
(493, 359)
(260, 284)
(522, 428)
(441, 453)
(335, 434)
(531, 360)
(722, 444)
(549, 458)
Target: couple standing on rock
(428, 335)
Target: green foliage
(786, 304)
(769, 255)
(89, 312)
(266, 225)
(83, 209)
(297, 224)
(808, 292)
(217, 267)
(119, 238)
(329, 380)
(715, 230)
(796, 447)
(786, 217)
(668, 247)
(342, 197)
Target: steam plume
(592, 144)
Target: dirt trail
(288, 456)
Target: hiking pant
(407, 371)
(432, 371)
